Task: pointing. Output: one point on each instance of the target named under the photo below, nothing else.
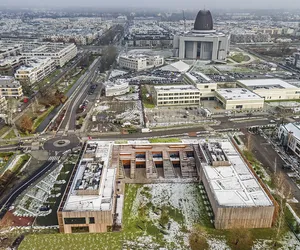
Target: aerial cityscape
(164, 126)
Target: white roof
(237, 94)
(267, 84)
(176, 88)
(294, 128)
(235, 185)
(103, 200)
(179, 66)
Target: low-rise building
(60, 53)
(239, 98)
(140, 62)
(9, 87)
(89, 204)
(237, 197)
(35, 70)
(206, 85)
(118, 87)
(289, 136)
(271, 89)
(176, 95)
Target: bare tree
(283, 192)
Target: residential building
(176, 95)
(35, 70)
(140, 62)
(118, 87)
(9, 87)
(272, 89)
(60, 53)
(206, 85)
(238, 98)
(203, 42)
(9, 65)
(8, 49)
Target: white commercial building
(35, 70)
(238, 98)
(118, 87)
(206, 85)
(203, 42)
(176, 95)
(272, 89)
(9, 87)
(60, 53)
(289, 135)
(140, 62)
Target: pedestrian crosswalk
(53, 158)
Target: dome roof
(203, 20)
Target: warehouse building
(239, 98)
(176, 95)
(271, 89)
(88, 205)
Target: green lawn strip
(121, 142)
(41, 118)
(10, 135)
(240, 57)
(20, 163)
(147, 101)
(6, 156)
(4, 129)
(164, 140)
(73, 241)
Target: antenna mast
(184, 21)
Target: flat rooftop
(231, 181)
(267, 84)
(237, 94)
(294, 128)
(198, 77)
(176, 88)
(93, 185)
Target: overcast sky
(170, 4)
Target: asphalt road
(13, 193)
(69, 120)
(265, 153)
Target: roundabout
(62, 143)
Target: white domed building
(203, 42)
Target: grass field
(164, 216)
(147, 100)
(164, 140)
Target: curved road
(9, 198)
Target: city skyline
(168, 4)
